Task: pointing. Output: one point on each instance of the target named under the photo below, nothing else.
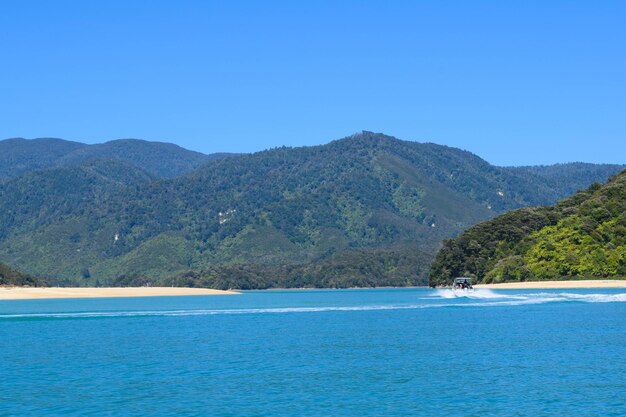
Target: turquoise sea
(383, 352)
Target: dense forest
(366, 210)
(583, 236)
(10, 277)
(356, 268)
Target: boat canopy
(463, 283)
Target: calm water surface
(317, 353)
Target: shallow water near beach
(318, 353)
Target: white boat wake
(479, 298)
(476, 294)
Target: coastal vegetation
(358, 268)
(11, 277)
(581, 237)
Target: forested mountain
(162, 160)
(365, 210)
(583, 236)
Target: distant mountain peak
(369, 135)
(368, 139)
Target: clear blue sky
(526, 82)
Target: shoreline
(590, 283)
(38, 293)
(528, 285)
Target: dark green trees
(583, 236)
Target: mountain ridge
(161, 159)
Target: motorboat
(462, 285)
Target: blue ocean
(382, 352)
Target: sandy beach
(26, 293)
(604, 283)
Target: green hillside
(47, 196)
(583, 236)
(287, 216)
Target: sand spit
(26, 293)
